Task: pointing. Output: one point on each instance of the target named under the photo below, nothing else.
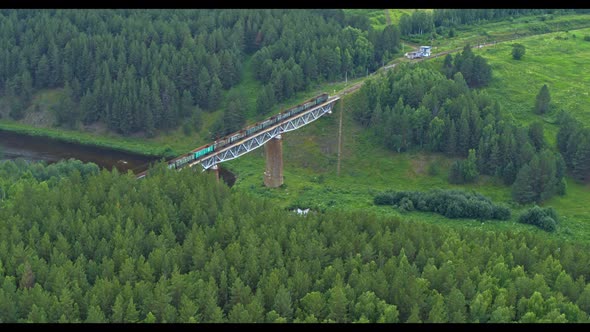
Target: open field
(556, 59)
(516, 28)
(378, 17)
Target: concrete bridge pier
(273, 175)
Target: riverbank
(43, 149)
(123, 144)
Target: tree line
(180, 247)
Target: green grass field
(507, 30)
(378, 17)
(556, 59)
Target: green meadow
(556, 59)
(378, 17)
(509, 29)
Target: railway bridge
(267, 132)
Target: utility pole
(340, 137)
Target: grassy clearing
(508, 30)
(556, 59)
(378, 17)
(396, 14)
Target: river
(35, 148)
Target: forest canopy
(181, 247)
(143, 71)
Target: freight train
(204, 150)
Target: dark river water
(34, 148)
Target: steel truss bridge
(259, 138)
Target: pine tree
(118, 310)
(522, 188)
(581, 158)
(414, 315)
(482, 72)
(435, 134)
(186, 104)
(438, 313)
(283, 303)
(456, 173)
(543, 100)
(568, 126)
(313, 303)
(131, 313)
(203, 83)
(28, 277)
(451, 148)
(26, 87)
(239, 314)
(37, 315)
(470, 172)
(95, 315)
(448, 66)
(390, 314)
(150, 318)
(455, 305)
(463, 134)
(214, 97)
(42, 73)
(536, 135)
(266, 100)
(338, 305)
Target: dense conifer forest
(149, 70)
(82, 245)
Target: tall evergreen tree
(536, 135)
(522, 189)
(581, 159)
(542, 101)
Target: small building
(413, 55)
(423, 52)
